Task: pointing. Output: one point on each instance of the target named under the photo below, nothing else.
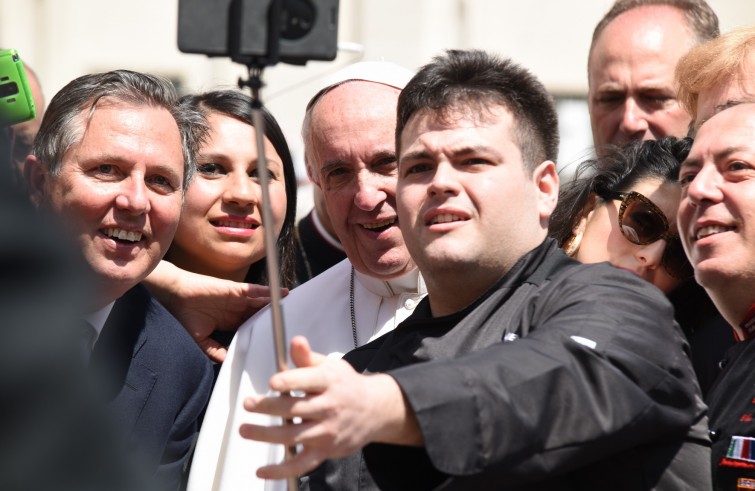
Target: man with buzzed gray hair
(634, 50)
(632, 96)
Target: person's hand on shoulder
(204, 304)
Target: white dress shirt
(318, 310)
(97, 320)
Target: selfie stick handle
(271, 251)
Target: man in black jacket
(522, 369)
(716, 216)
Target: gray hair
(306, 136)
(701, 20)
(306, 126)
(380, 72)
(60, 128)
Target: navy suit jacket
(156, 380)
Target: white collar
(324, 233)
(98, 318)
(411, 282)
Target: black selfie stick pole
(255, 65)
(271, 251)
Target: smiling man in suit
(112, 159)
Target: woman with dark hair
(220, 234)
(221, 231)
(622, 208)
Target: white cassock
(319, 310)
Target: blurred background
(63, 39)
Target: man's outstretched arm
(608, 356)
(341, 412)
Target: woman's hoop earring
(571, 245)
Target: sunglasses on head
(642, 222)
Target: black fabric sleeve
(603, 370)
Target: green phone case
(16, 101)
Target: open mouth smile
(122, 235)
(233, 224)
(380, 226)
(711, 230)
(446, 218)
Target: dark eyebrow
(220, 157)
(418, 155)
(105, 157)
(468, 150)
(656, 88)
(690, 163)
(728, 151)
(212, 156)
(168, 170)
(459, 152)
(725, 152)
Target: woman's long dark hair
(615, 172)
(238, 105)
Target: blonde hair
(715, 62)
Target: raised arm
(204, 304)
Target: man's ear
(546, 181)
(36, 175)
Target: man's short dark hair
(701, 20)
(475, 79)
(66, 117)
